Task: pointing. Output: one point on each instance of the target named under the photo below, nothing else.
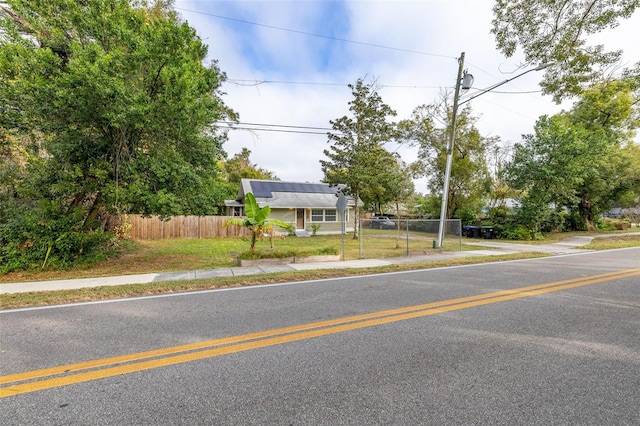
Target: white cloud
(439, 27)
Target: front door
(300, 219)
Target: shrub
(517, 232)
(554, 222)
(605, 225)
(290, 230)
(575, 222)
(41, 237)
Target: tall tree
(116, 94)
(470, 178)
(400, 188)
(375, 194)
(240, 167)
(357, 143)
(581, 160)
(557, 32)
(118, 90)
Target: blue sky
(260, 36)
(409, 47)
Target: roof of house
(278, 194)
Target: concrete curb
(75, 284)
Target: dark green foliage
(581, 161)
(574, 222)
(517, 232)
(107, 109)
(470, 180)
(357, 152)
(561, 33)
(43, 236)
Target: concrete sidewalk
(23, 287)
(496, 248)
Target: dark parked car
(381, 222)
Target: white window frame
(335, 217)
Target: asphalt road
(543, 341)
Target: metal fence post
(407, 230)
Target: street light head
(542, 66)
(467, 81)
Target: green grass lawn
(172, 255)
(189, 254)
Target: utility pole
(450, 146)
(466, 82)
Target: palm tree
(258, 222)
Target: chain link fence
(407, 237)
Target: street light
(465, 81)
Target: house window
(237, 211)
(330, 216)
(317, 215)
(321, 215)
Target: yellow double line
(31, 381)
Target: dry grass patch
(618, 241)
(21, 300)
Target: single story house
(300, 204)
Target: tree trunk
(253, 240)
(95, 208)
(586, 212)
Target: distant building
(300, 204)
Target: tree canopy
(557, 33)
(470, 179)
(582, 160)
(115, 105)
(118, 93)
(358, 140)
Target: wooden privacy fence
(154, 228)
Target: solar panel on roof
(265, 189)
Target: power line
(282, 128)
(316, 35)
(522, 92)
(251, 83)
(290, 126)
(273, 130)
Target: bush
(517, 232)
(503, 220)
(290, 229)
(39, 237)
(605, 225)
(575, 222)
(554, 222)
